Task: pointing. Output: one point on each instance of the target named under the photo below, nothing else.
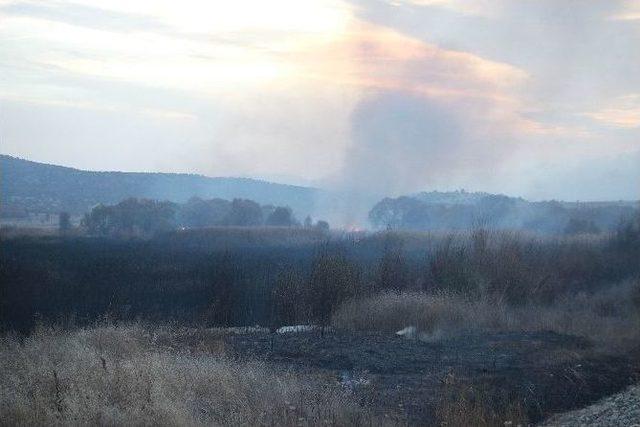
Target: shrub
(333, 279)
(449, 268)
(392, 272)
(289, 304)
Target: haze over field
(539, 99)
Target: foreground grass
(132, 375)
(135, 374)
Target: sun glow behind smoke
(233, 47)
(211, 86)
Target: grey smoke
(399, 140)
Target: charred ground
(408, 380)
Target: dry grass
(177, 376)
(390, 312)
(132, 375)
(610, 317)
(462, 405)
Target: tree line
(146, 217)
(461, 210)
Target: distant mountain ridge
(28, 188)
(32, 187)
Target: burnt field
(531, 374)
(201, 376)
(181, 328)
(274, 276)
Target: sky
(533, 98)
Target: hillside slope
(31, 187)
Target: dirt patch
(404, 379)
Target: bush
(290, 305)
(332, 280)
(392, 272)
(450, 268)
(520, 269)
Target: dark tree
(244, 213)
(64, 223)
(308, 222)
(322, 225)
(267, 210)
(203, 213)
(99, 221)
(130, 218)
(281, 216)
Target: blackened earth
(406, 379)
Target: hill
(28, 187)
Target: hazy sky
(538, 98)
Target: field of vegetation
(181, 328)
